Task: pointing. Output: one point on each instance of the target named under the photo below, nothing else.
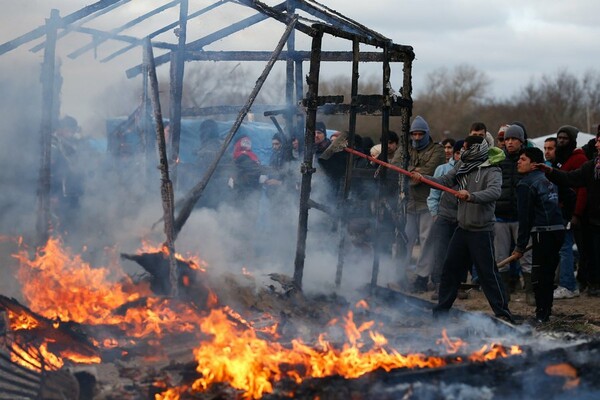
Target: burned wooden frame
(299, 112)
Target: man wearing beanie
(424, 157)
(507, 225)
(573, 201)
(478, 187)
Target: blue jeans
(566, 275)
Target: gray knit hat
(515, 131)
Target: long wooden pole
(192, 197)
(43, 225)
(402, 171)
(176, 90)
(166, 187)
(307, 168)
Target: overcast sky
(510, 41)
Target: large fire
(63, 287)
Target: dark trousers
(441, 231)
(544, 260)
(469, 248)
(592, 236)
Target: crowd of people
(506, 200)
(510, 201)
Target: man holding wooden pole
(479, 185)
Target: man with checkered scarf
(479, 184)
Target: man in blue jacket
(539, 217)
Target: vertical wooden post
(289, 82)
(349, 162)
(176, 92)
(48, 125)
(166, 188)
(307, 168)
(299, 95)
(385, 127)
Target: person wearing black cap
(321, 140)
(568, 158)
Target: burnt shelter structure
(303, 21)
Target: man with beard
(479, 186)
(569, 158)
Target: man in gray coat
(479, 185)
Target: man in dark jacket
(479, 183)
(569, 158)
(588, 176)
(541, 219)
(506, 227)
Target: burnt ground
(578, 316)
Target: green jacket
(426, 160)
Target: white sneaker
(564, 293)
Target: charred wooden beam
(99, 40)
(213, 37)
(307, 168)
(332, 212)
(330, 56)
(277, 14)
(385, 126)
(176, 89)
(41, 31)
(49, 118)
(66, 333)
(166, 187)
(224, 110)
(70, 28)
(336, 19)
(165, 29)
(102, 35)
(192, 197)
(157, 265)
(342, 221)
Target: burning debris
(266, 343)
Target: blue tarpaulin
(259, 132)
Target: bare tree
(451, 99)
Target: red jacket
(576, 160)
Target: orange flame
(63, 287)
(452, 346)
(253, 365)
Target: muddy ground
(580, 315)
